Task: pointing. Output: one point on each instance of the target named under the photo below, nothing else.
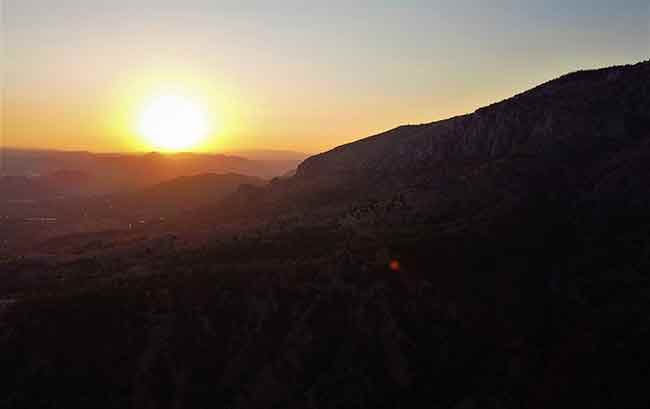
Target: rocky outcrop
(577, 115)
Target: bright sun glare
(173, 123)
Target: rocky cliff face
(580, 115)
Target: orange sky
(303, 78)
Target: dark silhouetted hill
(180, 194)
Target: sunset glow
(173, 123)
(79, 76)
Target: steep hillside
(560, 138)
(578, 116)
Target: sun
(173, 123)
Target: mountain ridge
(478, 135)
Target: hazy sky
(302, 75)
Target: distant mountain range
(91, 173)
(268, 154)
